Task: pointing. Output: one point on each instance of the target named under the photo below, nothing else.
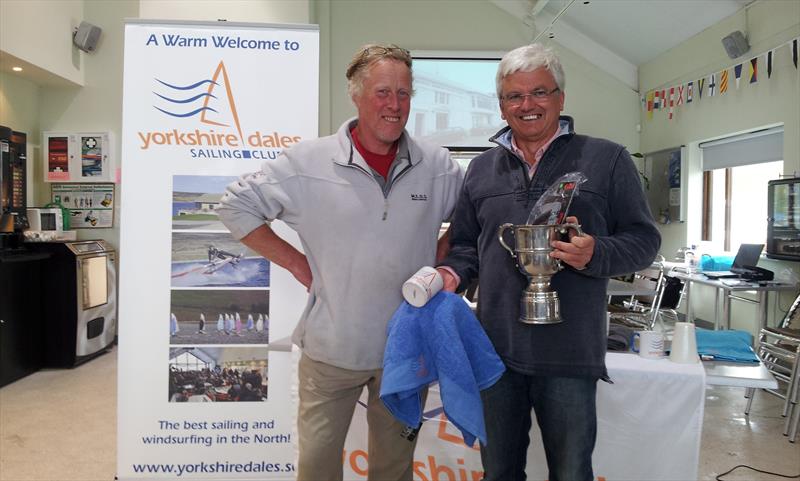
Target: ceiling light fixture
(16, 69)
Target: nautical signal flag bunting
(718, 83)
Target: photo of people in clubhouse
(217, 374)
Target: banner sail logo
(224, 114)
(210, 102)
(204, 117)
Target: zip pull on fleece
(385, 208)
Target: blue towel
(728, 345)
(442, 340)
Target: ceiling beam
(596, 54)
(571, 38)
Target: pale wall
(602, 106)
(40, 32)
(272, 11)
(97, 106)
(774, 100)
(19, 110)
(19, 105)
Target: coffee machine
(13, 202)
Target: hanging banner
(204, 381)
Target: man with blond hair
(367, 204)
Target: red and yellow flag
(723, 82)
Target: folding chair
(642, 310)
(671, 298)
(779, 350)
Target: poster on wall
(90, 206)
(92, 155)
(204, 381)
(57, 158)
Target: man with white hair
(552, 369)
(367, 204)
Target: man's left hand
(578, 251)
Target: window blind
(750, 148)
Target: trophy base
(539, 308)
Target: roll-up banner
(205, 372)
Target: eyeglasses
(541, 95)
(381, 50)
(374, 53)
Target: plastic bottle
(690, 258)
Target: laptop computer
(746, 256)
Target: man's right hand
(450, 283)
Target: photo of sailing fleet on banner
(220, 316)
(219, 302)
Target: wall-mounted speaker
(735, 44)
(86, 36)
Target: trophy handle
(500, 231)
(564, 228)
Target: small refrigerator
(783, 219)
(80, 301)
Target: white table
(649, 426)
(738, 374)
(728, 287)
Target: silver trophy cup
(539, 304)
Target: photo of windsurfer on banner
(218, 257)
(215, 259)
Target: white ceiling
(620, 35)
(616, 35)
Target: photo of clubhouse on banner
(195, 199)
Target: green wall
(602, 106)
(19, 110)
(776, 100)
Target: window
(442, 98)
(442, 121)
(482, 101)
(735, 175)
(188, 362)
(735, 201)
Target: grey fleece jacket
(362, 240)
